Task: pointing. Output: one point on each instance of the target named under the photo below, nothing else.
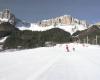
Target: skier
(67, 48)
(73, 48)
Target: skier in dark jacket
(67, 48)
(73, 48)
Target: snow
(52, 63)
(35, 27)
(3, 39)
(68, 28)
(72, 28)
(4, 19)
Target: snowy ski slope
(51, 63)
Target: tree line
(32, 39)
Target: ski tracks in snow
(45, 67)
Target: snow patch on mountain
(4, 20)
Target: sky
(37, 10)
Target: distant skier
(67, 48)
(73, 48)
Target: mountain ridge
(66, 22)
(63, 20)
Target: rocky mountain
(66, 22)
(62, 20)
(7, 16)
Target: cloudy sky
(36, 10)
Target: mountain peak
(7, 16)
(63, 20)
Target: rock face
(7, 16)
(63, 20)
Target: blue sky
(36, 10)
